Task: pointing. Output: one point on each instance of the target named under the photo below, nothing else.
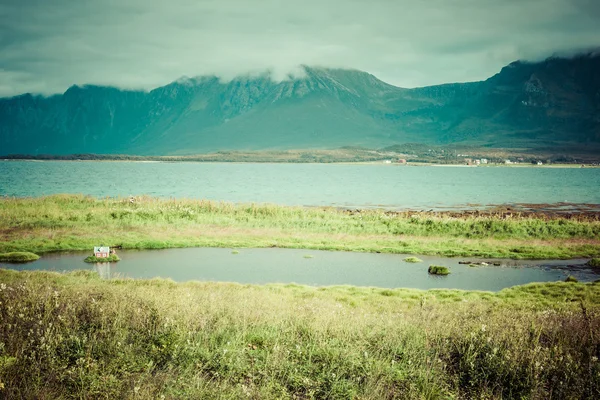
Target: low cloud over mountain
(550, 103)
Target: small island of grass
(94, 259)
(413, 260)
(438, 270)
(594, 262)
(18, 257)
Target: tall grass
(75, 336)
(74, 222)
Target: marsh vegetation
(18, 257)
(438, 270)
(94, 259)
(72, 222)
(76, 336)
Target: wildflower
(483, 327)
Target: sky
(48, 45)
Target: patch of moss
(438, 270)
(571, 278)
(413, 260)
(94, 259)
(18, 257)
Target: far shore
(408, 164)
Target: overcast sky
(48, 45)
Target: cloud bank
(48, 45)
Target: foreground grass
(76, 336)
(71, 222)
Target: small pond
(316, 268)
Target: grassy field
(72, 222)
(76, 336)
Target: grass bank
(74, 222)
(76, 336)
(18, 257)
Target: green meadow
(77, 336)
(75, 222)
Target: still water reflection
(311, 267)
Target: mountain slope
(556, 101)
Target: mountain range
(554, 103)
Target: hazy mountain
(549, 103)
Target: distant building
(484, 161)
(468, 161)
(387, 161)
(477, 162)
(401, 161)
(540, 163)
(507, 162)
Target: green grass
(70, 222)
(94, 259)
(438, 270)
(571, 278)
(594, 262)
(18, 257)
(413, 260)
(76, 336)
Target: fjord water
(340, 185)
(316, 268)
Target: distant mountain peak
(525, 104)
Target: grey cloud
(48, 45)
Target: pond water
(316, 268)
(341, 185)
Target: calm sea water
(342, 185)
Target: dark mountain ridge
(551, 103)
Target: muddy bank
(572, 211)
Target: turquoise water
(341, 185)
(316, 268)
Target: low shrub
(413, 260)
